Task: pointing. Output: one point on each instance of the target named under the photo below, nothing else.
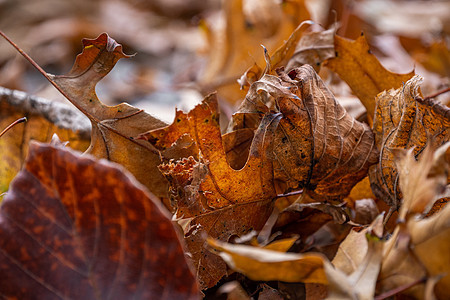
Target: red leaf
(75, 227)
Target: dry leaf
(209, 195)
(419, 248)
(44, 119)
(318, 146)
(338, 212)
(75, 227)
(312, 49)
(355, 273)
(402, 121)
(421, 189)
(233, 290)
(435, 58)
(267, 265)
(362, 71)
(430, 239)
(113, 127)
(416, 251)
(278, 59)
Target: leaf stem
(399, 289)
(27, 57)
(290, 194)
(21, 120)
(437, 94)
(75, 103)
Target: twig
(437, 94)
(21, 120)
(290, 194)
(400, 289)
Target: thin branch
(400, 289)
(290, 194)
(18, 121)
(437, 94)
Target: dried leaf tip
(421, 189)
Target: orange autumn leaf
(362, 71)
(210, 196)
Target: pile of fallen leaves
(293, 197)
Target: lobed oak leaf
(362, 71)
(77, 227)
(221, 186)
(402, 121)
(212, 198)
(113, 127)
(317, 145)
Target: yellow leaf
(281, 245)
(268, 265)
(45, 118)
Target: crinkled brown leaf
(113, 128)
(402, 121)
(362, 71)
(74, 227)
(44, 119)
(317, 145)
(209, 195)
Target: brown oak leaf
(113, 127)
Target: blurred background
(188, 48)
